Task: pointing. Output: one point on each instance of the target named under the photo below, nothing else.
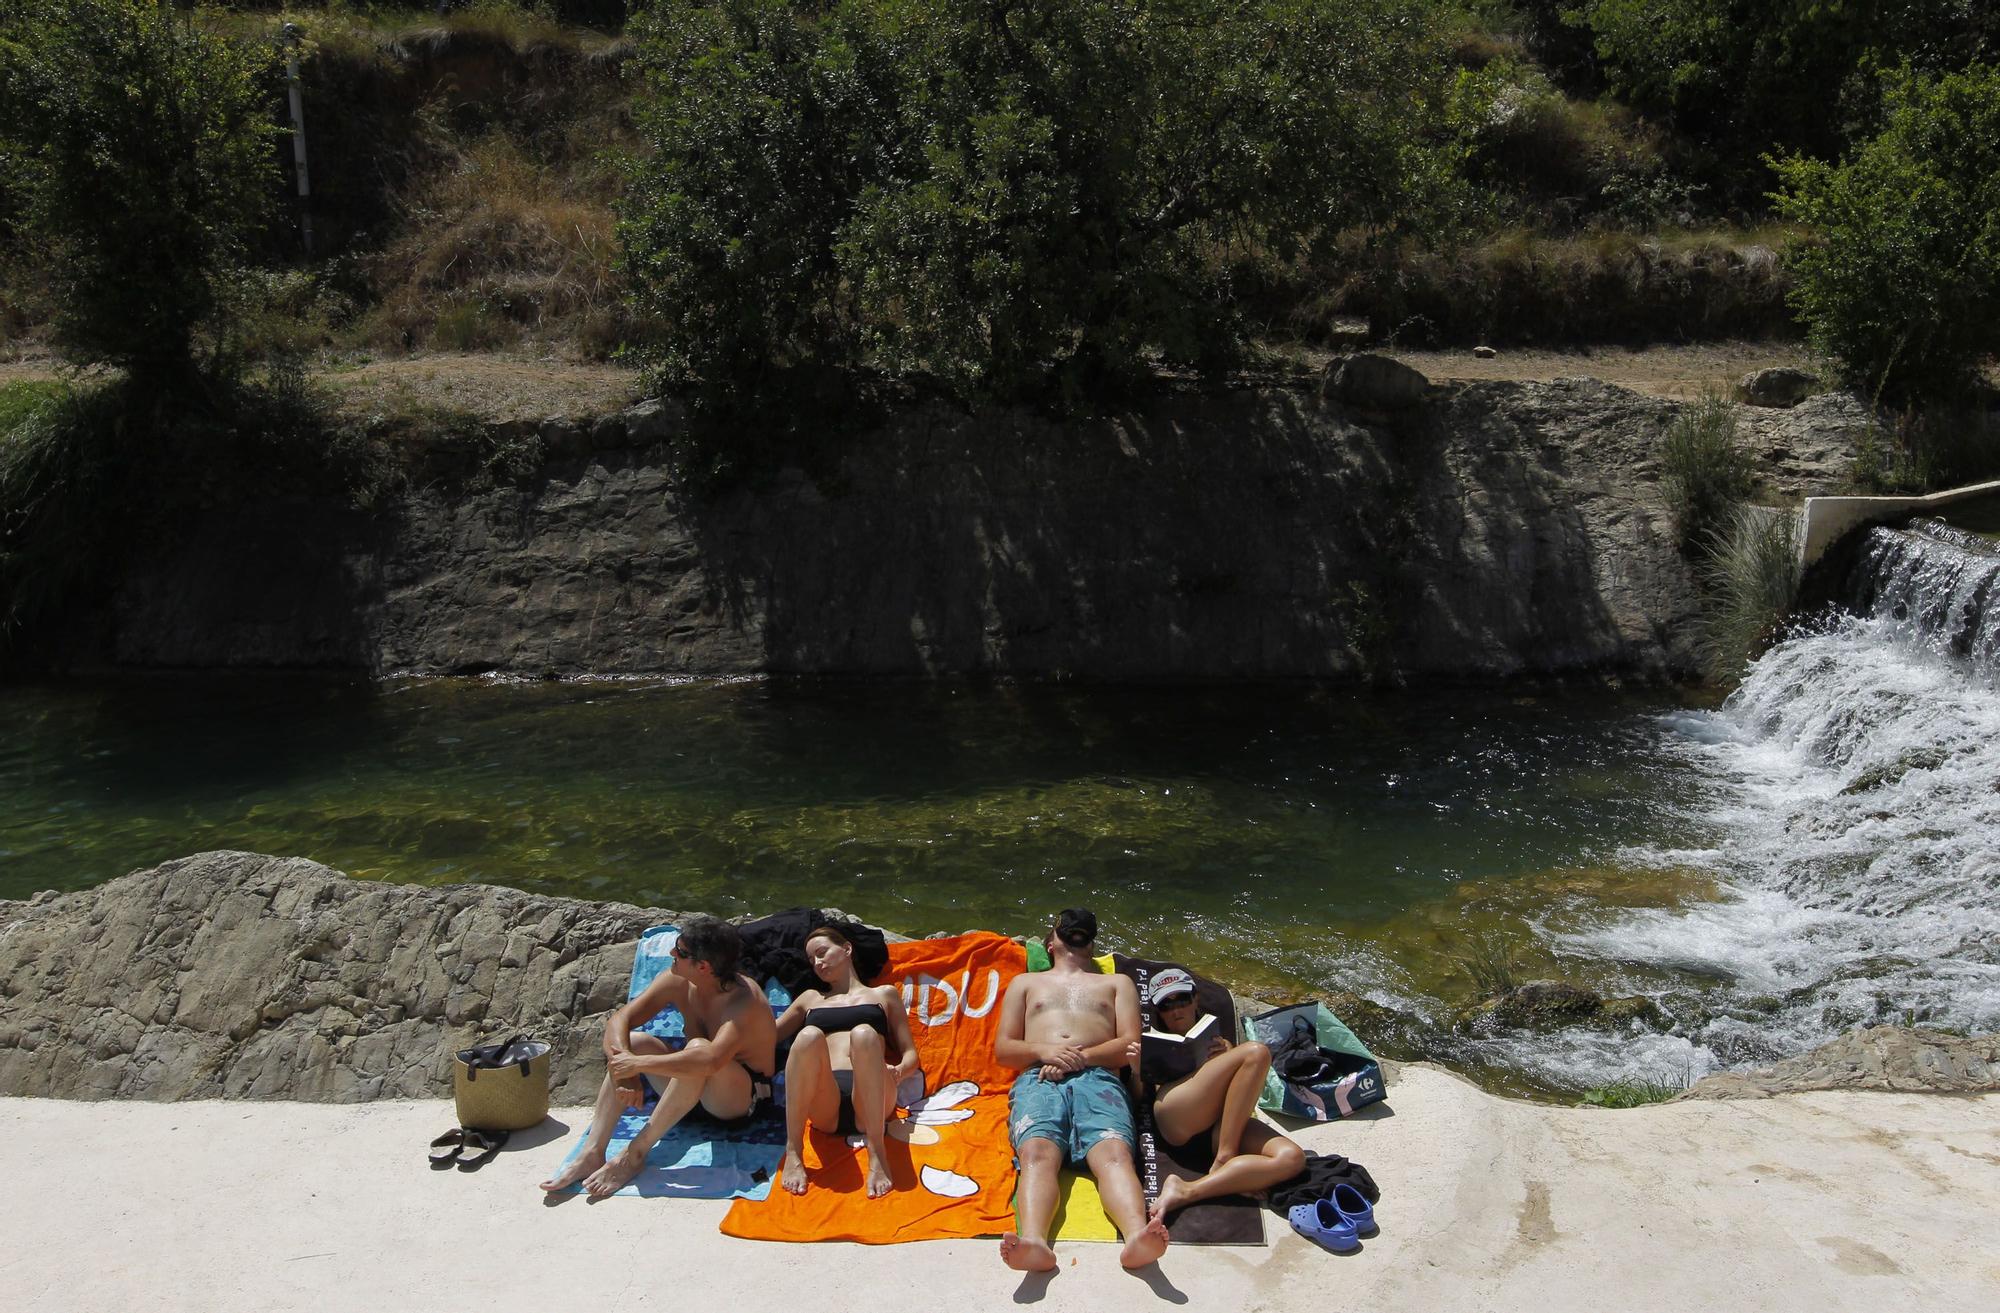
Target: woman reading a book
(851, 1046)
(1204, 1083)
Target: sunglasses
(678, 951)
(1177, 1001)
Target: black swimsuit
(835, 1021)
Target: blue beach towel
(697, 1159)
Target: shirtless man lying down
(726, 1065)
(1070, 1029)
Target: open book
(1165, 1057)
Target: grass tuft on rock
(1490, 962)
(1631, 1093)
(1753, 579)
(1705, 472)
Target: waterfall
(1853, 803)
(1935, 586)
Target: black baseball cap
(1077, 927)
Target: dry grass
(499, 248)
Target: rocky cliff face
(1486, 530)
(233, 975)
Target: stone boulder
(1372, 382)
(1872, 1058)
(235, 975)
(1781, 387)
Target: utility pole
(291, 39)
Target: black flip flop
(483, 1146)
(446, 1148)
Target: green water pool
(1289, 840)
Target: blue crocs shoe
(1322, 1223)
(1354, 1206)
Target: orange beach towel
(948, 1153)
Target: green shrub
(1003, 197)
(62, 487)
(141, 145)
(1754, 76)
(1631, 1093)
(1902, 287)
(80, 494)
(1937, 447)
(23, 398)
(1752, 578)
(1704, 473)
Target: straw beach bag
(504, 1086)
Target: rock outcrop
(1872, 1058)
(234, 975)
(1372, 382)
(1781, 387)
(1491, 530)
(1484, 530)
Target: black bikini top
(833, 1021)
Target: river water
(1815, 853)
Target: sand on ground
(1815, 1202)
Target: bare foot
(1173, 1192)
(611, 1178)
(879, 1180)
(1146, 1247)
(793, 1174)
(1025, 1255)
(585, 1164)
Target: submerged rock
(1549, 1004)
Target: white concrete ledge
(1802, 1203)
(1824, 521)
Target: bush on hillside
(79, 498)
(1781, 76)
(1902, 288)
(1003, 197)
(140, 146)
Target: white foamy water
(1854, 809)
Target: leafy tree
(138, 144)
(1749, 76)
(1902, 287)
(996, 194)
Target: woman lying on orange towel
(1220, 1095)
(851, 1047)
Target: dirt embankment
(522, 386)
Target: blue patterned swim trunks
(1076, 1112)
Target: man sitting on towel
(1070, 1029)
(725, 1066)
